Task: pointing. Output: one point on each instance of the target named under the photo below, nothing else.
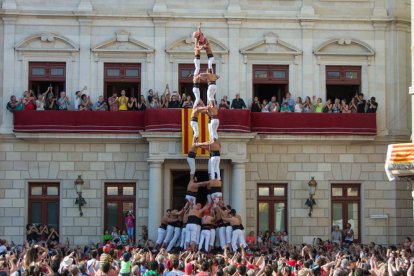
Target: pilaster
(238, 188)
(234, 59)
(307, 58)
(85, 59)
(155, 207)
(380, 77)
(9, 28)
(159, 77)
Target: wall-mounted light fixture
(310, 202)
(80, 201)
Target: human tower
(196, 227)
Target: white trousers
(161, 235)
(211, 91)
(210, 63)
(191, 233)
(169, 235)
(237, 239)
(182, 241)
(204, 238)
(197, 66)
(194, 126)
(191, 165)
(177, 233)
(198, 233)
(222, 236)
(212, 237)
(196, 92)
(191, 199)
(215, 167)
(229, 232)
(212, 128)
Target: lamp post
(310, 202)
(80, 201)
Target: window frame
(342, 70)
(44, 199)
(271, 199)
(344, 200)
(270, 69)
(118, 199)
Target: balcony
(169, 120)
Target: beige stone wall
(269, 161)
(294, 162)
(22, 162)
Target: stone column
(155, 207)
(380, 75)
(233, 87)
(85, 57)
(307, 64)
(238, 189)
(159, 75)
(9, 27)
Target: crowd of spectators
(82, 102)
(260, 258)
(357, 104)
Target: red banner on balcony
(187, 131)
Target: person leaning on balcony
(285, 108)
(372, 106)
(174, 103)
(63, 101)
(85, 104)
(223, 104)
(14, 104)
(100, 105)
(353, 105)
(142, 105)
(29, 100)
(298, 105)
(123, 101)
(50, 100)
(40, 102)
(77, 98)
(361, 102)
(113, 102)
(327, 108)
(317, 105)
(238, 103)
(344, 107)
(132, 104)
(307, 105)
(255, 105)
(288, 99)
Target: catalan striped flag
(187, 131)
(400, 160)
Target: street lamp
(80, 201)
(310, 202)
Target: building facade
(321, 48)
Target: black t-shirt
(174, 104)
(372, 107)
(361, 106)
(256, 107)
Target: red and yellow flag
(187, 131)
(400, 160)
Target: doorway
(346, 92)
(267, 91)
(40, 87)
(180, 179)
(131, 89)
